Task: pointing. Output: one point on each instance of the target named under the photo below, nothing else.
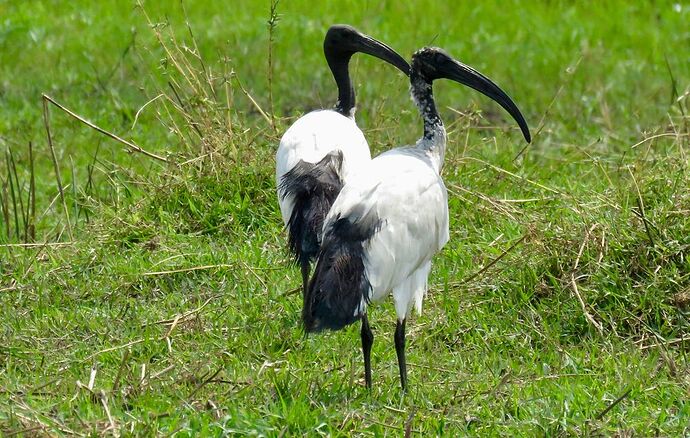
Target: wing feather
(404, 191)
(310, 139)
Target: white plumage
(403, 189)
(318, 151)
(391, 218)
(310, 139)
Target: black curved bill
(466, 75)
(373, 47)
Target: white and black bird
(321, 148)
(390, 218)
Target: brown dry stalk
(194, 268)
(252, 100)
(129, 144)
(613, 404)
(509, 173)
(491, 263)
(653, 137)
(573, 283)
(46, 121)
(182, 316)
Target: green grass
(176, 293)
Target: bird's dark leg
(367, 342)
(400, 350)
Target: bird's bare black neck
(423, 96)
(339, 64)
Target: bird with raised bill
(390, 218)
(321, 148)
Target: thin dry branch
(662, 344)
(254, 102)
(507, 172)
(613, 404)
(136, 116)
(205, 382)
(491, 263)
(121, 368)
(35, 245)
(640, 206)
(129, 144)
(194, 268)
(272, 24)
(104, 401)
(118, 347)
(494, 203)
(47, 423)
(46, 122)
(185, 315)
(653, 137)
(573, 283)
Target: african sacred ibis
(320, 149)
(390, 218)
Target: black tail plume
(314, 188)
(339, 288)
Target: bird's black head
(342, 41)
(431, 63)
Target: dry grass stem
(129, 144)
(573, 283)
(192, 269)
(488, 266)
(46, 121)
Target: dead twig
(292, 291)
(184, 316)
(254, 102)
(662, 344)
(573, 283)
(44, 421)
(35, 245)
(272, 24)
(104, 402)
(640, 206)
(195, 268)
(487, 267)
(408, 422)
(205, 382)
(653, 137)
(129, 144)
(509, 173)
(25, 432)
(119, 347)
(123, 363)
(613, 404)
(250, 269)
(495, 204)
(136, 116)
(46, 122)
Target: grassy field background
(157, 299)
